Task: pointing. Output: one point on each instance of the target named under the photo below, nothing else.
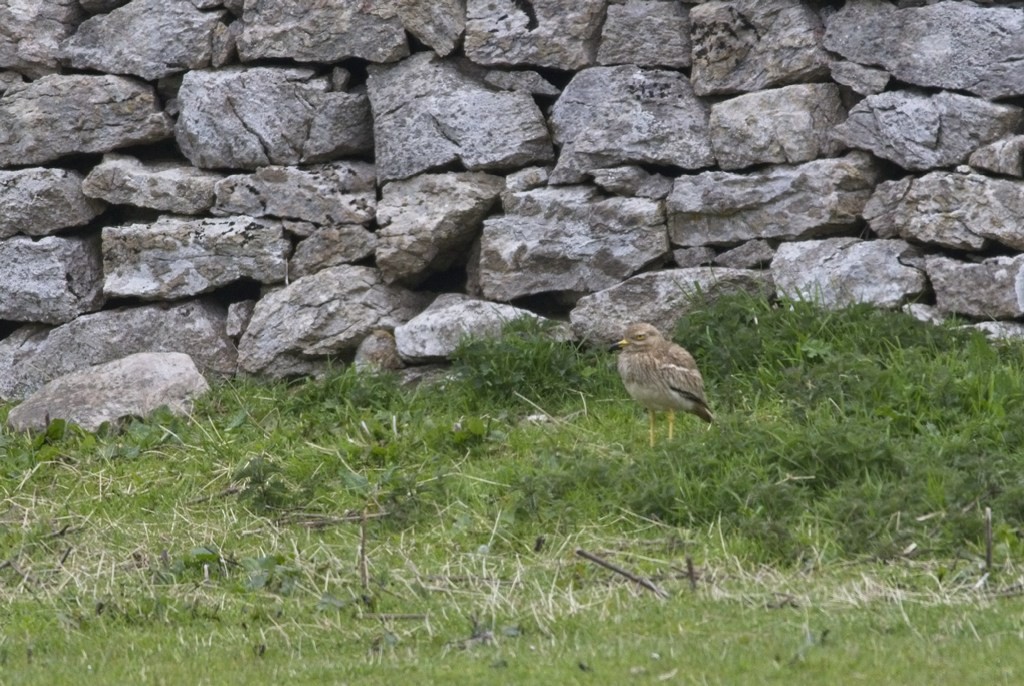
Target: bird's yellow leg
(671, 422)
(650, 414)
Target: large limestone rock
(922, 132)
(253, 117)
(34, 355)
(661, 298)
(781, 126)
(331, 246)
(58, 115)
(568, 240)
(31, 32)
(428, 113)
(647, 33)
(1005, 156)
(950, 210)
(151, 39)
(812, 199)
(438, 24)
(953, 45)
(325, 31)
(133, 386)
(436, 332)
(427, 223)
(562, 34)
(748, 45)
(50, 280)
(176, 258)
(992, 289)
(839, 272)
(163, 185)
(608, 116)
(328, 194)
(39, 201)
(295, 330)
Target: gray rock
(1000, 331)
(951, 210)
(378, 352)
(31, 32)
(922, 132)
(568, 240)
(147, 38)
(438, 24)
(528, 81)
(436, 332)
(38, 201)
(992, 289)
(647, 33)
(608, 116)
(1005, 156)
(258, 116)
(61, 115)
(427, 113)
(781, 126)
(661, 298)
(325, 31)
(929, 314)
(34, 355)
(839, 272)
(812, 199)
(750, 255)
(50, 280)
(427, 223)
(527, 179)
(563, 34)
(693, 257)
(328, 194)
(176, 258)
(632, 180)
(161, 185)
(294, 330)
(133, 386)
(9, 79)
(331, 246)
(953, 45)
(748, 45)
(239, 314)
(860, 79)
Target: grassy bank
(828, 526)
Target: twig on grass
(988, 539)
(619, 570)
(691, 573)
(364, 572)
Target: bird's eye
(640, 336)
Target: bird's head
(640, 336)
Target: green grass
(350, 530)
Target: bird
(660, 375)
(378, 352)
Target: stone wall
(262, 183)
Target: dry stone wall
(263, 184)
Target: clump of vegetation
(296, 507)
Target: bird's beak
(619, 346)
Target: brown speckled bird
(378, 352)
(661, 375)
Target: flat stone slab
(133, 386)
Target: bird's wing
(679, 369)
